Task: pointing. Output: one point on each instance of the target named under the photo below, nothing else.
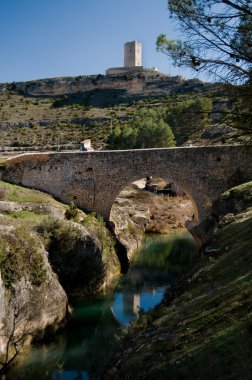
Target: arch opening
(152, 205)
(158, 188)
(149, 205)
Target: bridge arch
(164, 210)
(94, 179)
(166, 178)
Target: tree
(240, 116)
(189, 118)
(148, 129)
(15, 337)
(218, 42)
(122, 137)
(218, 38)
(153, 130)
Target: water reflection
(175, 253)
(76, 352)
(70, 375)
(160, 261)
(127, 306)
(87, 342)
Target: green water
(87, 342)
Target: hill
(58, 113)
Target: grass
(14, 193)
(203, 329)
(27, 216)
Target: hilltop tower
(132, 54)
(132, 60)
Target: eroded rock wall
(27, 310)
(142, 83)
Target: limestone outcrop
(30, 302)
(130, 221)
(224, 211)
(82, 255)
(139, 83)
(37, 243)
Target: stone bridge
(94, 179)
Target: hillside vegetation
(194, 111)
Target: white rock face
(130, 221)
(26, 309)
(2, 313)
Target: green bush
(147, 129)
(20, 256)
(189, 117)
(6, 266)
(71, 212)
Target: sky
(53, 38)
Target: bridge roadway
(94, 179)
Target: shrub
(97, 228)
(20, 256)
(71, 212)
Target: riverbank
(214, 296)
(202, 330)
(87, 341)
(63, 240)
(49, 252)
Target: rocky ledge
(137, 211)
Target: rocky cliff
(31, 298)
(136, 211)
(141, 83)
(40, 254)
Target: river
(82, 348)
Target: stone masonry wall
(94, 179)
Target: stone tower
(132, 54)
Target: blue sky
(49, 38)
